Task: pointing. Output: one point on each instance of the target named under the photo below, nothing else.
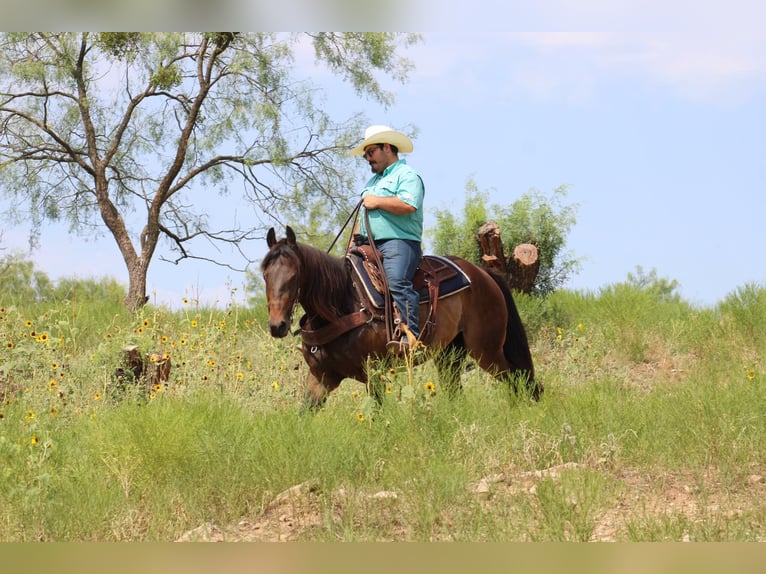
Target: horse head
(281, 270)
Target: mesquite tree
(121, 132)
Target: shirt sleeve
(410, 189)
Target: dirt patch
(294, 513)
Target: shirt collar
(392, 167)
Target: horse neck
(325, 286)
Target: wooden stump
(492, 255)
(521, 268)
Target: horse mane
(325, 284)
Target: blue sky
(661, 138)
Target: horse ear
(290, 236)
(271, 237)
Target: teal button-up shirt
(402, 181)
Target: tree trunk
(521, 268)
(136, 297)
(492, 254)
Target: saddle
(436, 277)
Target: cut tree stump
(521, 268)
(492, 255)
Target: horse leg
(449, 363)
(317, 390)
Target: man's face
(377, 157)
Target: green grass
(651, 428)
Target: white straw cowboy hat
(383, 134)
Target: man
(393, 199)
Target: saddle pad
(453, 278)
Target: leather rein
(327, 333)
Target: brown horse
(481, 321)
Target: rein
(388, 306)
(353, 214)
(333, 330)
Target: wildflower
(430, 387)
(164, 339)
(152, 395)
(30, 415)
(580, 326)
(182, 341)
(28, 323)
(52, 384)
(240, 376)
(194, 323)
(185, 301)
(360, 417)
(275, 385)
(389, 390)
(157, 388)
(750, 374)
(153, 358)
(97, 396)
(54, 366)
(146, 323)
(210, 363)
(9, 345)
(42, 338)
(34, 439)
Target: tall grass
(651, 428)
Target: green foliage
(746, 307)
(119, 45)
(651, 428)
(166, 78)
(20, 282)
(372, 51)
(534, 218)
(104, 129)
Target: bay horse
(481, 321)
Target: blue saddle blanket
(450, 277)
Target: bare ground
(293, 514)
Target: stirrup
(398, 346)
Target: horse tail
(516, 346)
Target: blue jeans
(401, 258)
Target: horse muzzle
(280, 329)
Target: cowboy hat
(383, 134)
